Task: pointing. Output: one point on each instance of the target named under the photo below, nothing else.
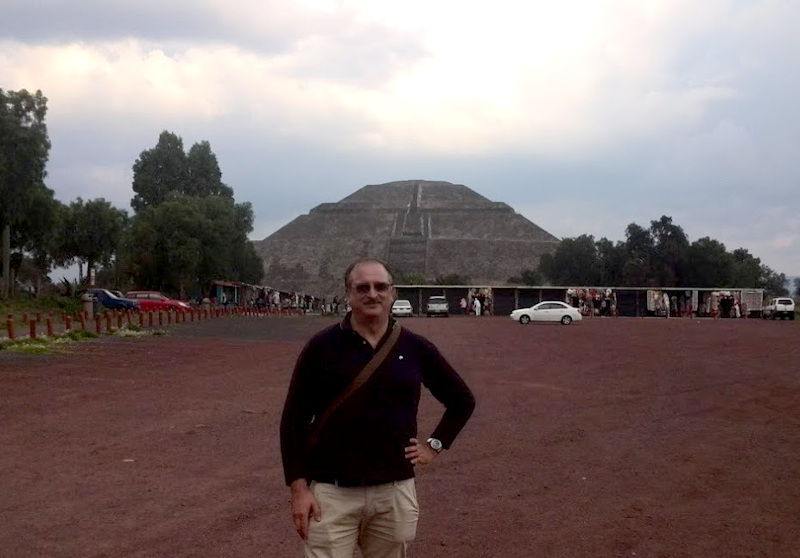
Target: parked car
(779, 308)
(111, 301)
(153, 301)
(402, 308)
(547, 311)
(438, 306)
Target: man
(355, 484)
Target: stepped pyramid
(416, 226)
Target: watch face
(435, 444)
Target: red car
(153, 301)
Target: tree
(660, 256)
(205, 176)
(160, 171)
(611, 262)
(38, 234)
(574, 262)
(710, 264)
(639, 248)
(797, 286)
(773, 283)
(189, 220)
(24, 149)
(746, 269)
(670, 252)
(166, 171)
(92, 232)
(190, 242)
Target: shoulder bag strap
(365, 374)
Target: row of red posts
(145, 319)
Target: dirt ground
(609, 438)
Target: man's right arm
(297, 414)
(304, 506)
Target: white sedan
(547, 311)
(402, 308)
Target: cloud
(618, 111)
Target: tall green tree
(746, 269)
(574, 262)
(159, 172)
(167, 171)
(190, 242)
(611, 262)
(92, 232)
(188, 218)
(710, 264)
(639, 248)
(205, 176)
(39, 234)
(24, 150)
(670, 252)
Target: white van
(779, 308)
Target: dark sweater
(366, 437)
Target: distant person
(351, 469)
(463, 305)
(476, 306)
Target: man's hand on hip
(304, 505)
(420, 453)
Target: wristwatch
(436, 445)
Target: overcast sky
(583, 115)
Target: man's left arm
(449, 388)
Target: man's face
(370, 293)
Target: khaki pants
(380, 519)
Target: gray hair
(347, 279)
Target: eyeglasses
(364, 289)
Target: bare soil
(609, 438)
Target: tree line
(185, 231)
(658, 256)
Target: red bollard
(67, 324)
(160, 318)
(150, 319)
(119, 320)
(32, 323)
(97, 327)
(10, 326)
(108, 322)
(169, 317)
(82, 319)
(49, 326)
(141, 319)
(128, 316)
